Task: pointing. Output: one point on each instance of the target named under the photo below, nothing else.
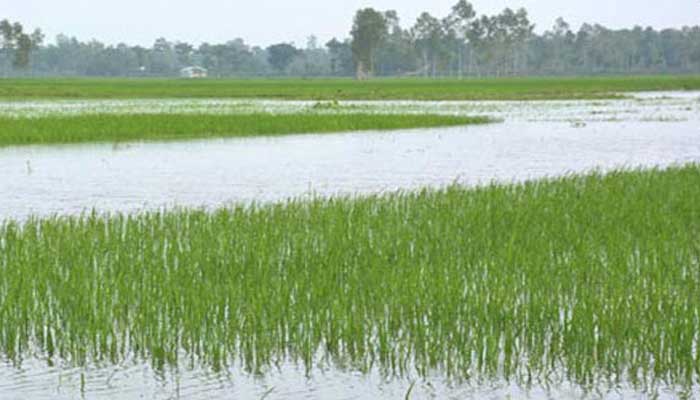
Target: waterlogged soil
(535, 139)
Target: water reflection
(137, 381)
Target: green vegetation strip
(116, 128)
(344, 89)
(585, 278)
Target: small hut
(193, 72)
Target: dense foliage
(459, 44)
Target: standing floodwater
(533, 141)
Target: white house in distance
(193, 72)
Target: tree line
(460, 44)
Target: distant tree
(368, 31)
(6, 33)
(183, 53)
(519, 32)
(340, 54)
(560, 47)
(316, 59)
(15, 41)
(396, 54)
(141, 55)
(312, 61)
(233, 58)
(501, 41)
(22, 52)
(281, 55)
(458, 23)
(456, 44)
(22, 46)
(6, 44)
(462, 12)
(428, 33)
(163, 59)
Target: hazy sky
(263, 22)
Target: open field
(591, 279)
(345, 89)
(119, 128)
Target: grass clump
(118, 128)
(346, 89)
(586, 279)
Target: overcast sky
(263, 22)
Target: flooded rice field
(652, 106)
(533, 140)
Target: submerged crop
(590, 279)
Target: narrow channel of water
(44, 180)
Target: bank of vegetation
(589, 279)
(162, 127)
(345, 89)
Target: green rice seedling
(590, 279)
(347, 89)
(133, 127)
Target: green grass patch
(118, 128)
(589, 279)
(345, 89)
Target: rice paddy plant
(532, 88)
(118, 128)
(589, 279)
